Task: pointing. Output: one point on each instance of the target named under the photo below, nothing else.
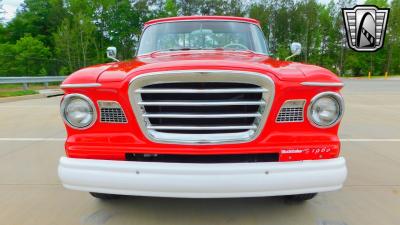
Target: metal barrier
(29, 80)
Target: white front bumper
(202, 180)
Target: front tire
(301, 197)
(103, 196)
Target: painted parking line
(343, 139)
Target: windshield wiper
(174, 49)
(240, 50)
(217, 49)
(184, 49)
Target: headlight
(325, 109)
(78, 111)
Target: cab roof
(187, 18)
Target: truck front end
(202, 112)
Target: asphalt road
(31, 134)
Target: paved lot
(30, 192)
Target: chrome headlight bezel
(64, 103)
(337, 97)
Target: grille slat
(201, 127)
(201, 103)
(202, 91)
(244, 115)
(185, 107)
(228, 109)
(197, 99)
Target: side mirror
(295, 48)
(112, 53)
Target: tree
(124, 23)
(28, 56)
(170, 8)
(1, 13)
(37, 18)
(393, 40)
(7, 60)
(2, 31)
(75, 41)
(260, 12)
(31, 56)
(379, 3)
(77, 32)
(333, 37)
(211, 7)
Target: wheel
(103, 196)
(301, 197)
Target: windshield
(195, 35)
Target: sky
(10, 7)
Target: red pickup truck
(202, 111)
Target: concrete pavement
(31, 134)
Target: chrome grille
(111, 112)
(201, 107)
(291, 111)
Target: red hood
(222, 60)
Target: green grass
(31, 86)
(9, 90)
(4, 86)
(17, 93)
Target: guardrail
(29, 80)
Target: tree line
(57, 37)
